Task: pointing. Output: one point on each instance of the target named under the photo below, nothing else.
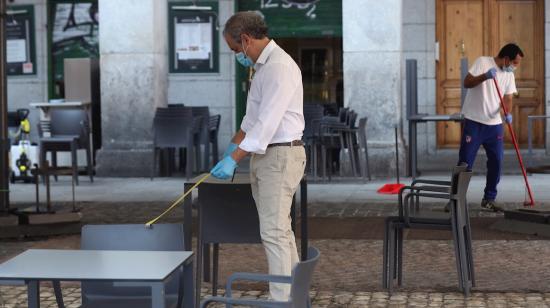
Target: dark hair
(511, 51)
(250, 23)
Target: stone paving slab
(16, 297)
(356, 265)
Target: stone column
(372, 32)
(134, 78)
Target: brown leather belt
(287, 144)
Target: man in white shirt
(271, 131)
(481, 110)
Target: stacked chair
(411, 216)
(192, 132)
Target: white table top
(64, 104)
(77, 265)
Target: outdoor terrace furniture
(227, 214)
(174, 129)
(300, 282)
(202, 138)
(124, 269)
(213, 129)
(67, 130)
(411, 216)
(134, 238)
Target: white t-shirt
(482, 103)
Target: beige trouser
(275, 177)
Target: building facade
(352, 53)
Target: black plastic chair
(69, 131)
(173, 130)
(334, 136)
(213, 129)
(411, 217)
(313, 113)
(220, 206)
(131, 237)
(300, 283)
(202, 139)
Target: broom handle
(514, 141)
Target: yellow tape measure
(175, 203)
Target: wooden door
(474, 28)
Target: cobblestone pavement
(15, 297)
(510, 273)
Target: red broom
(514, 140)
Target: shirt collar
(266, 52)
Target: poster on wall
(193, 38)
(74, 34)
(20, 49)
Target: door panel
(461, 26)
(483, 27)
(522, 22)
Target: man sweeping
(482, 117)
(271, 131)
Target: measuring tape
(150, 223)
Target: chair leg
(90, 164)
(206, 265)
(470, 252)
(367, 162)
(324, 161)
(198, 161)
(399, 254)
(215, 153)
(459, 257)
(391, 259)
(385, 254)
(189, 161)
(42, 160)
(154, 164)
(74, 159)
(54, 163)
(58, 294)
(215, 259)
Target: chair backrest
(204, 113)
(362, 132)
(69, 121)
(161, 237)
(302, 275)
(455, 175)
(221, 206)
(313, 113)
(172, 130)
(214, 122)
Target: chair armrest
(245, 302)
(254, 277)
(433, 188)
(258, 277)
(406, 216)
(432, 182)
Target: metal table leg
(33, 293)
(187, 219)
(158, 299)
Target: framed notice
(20, 46)
(193, 41)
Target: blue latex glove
(508, 118)
(230, 149)
(491, 73)
(225, 168)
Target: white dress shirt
(274, 107)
